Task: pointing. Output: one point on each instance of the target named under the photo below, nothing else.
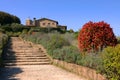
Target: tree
(95, 36)
(6, 18)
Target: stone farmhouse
(44, 23)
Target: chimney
(34, 21)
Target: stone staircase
(19, 52)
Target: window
(53, 24)
(48, 23)
(43, 23)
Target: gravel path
(36, 72)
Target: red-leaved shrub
(95, 36)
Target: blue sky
(73, 13)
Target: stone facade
(48, 23)
(29, 22)
(44, 23)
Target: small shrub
(71, 54)
(3, 41)
(91, 60)
(76, 35)
(66, 53)
(16, 27)
(118, 40)
(69, 37)
(111, 62)
(57, 41)
(57, 54)
(24, 31)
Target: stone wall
(88, 73)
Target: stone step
(32, 55)
(24, 48)
(31, 60)
(24, 58)
(24, 51)
(26, 54)
(21, 46)
(26, 63)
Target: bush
(111, 62)
(3, 41)
(118, 40)
(13, 34)
(16, 27)
(69, 37)
(96, 36)
(91, 60)
(71, 54)
(56, 41)
(67, 53)
(76, 34)
(57, 54)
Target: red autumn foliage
(95, 36)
